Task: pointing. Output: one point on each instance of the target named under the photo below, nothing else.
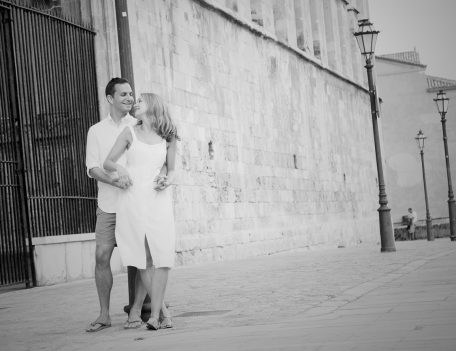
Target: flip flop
(133, 324)
(166, 323)
(97, 326)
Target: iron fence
(52, 82)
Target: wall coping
(261, 32)
(61, 239)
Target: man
(100, 139)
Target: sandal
(153, 325)
(133, 324)
(97, 326)
(166, 323)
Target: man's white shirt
(100, 140)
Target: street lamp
(366, 38)
(420, 138)
(442, 106)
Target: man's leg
(103, 279)
(105, 241)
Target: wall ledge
(60, 239)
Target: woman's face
(139, 108)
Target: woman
(145, 223)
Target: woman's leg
(155, 280)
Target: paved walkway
(337, 299)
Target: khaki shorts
(105, 228)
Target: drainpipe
(123, 34)
(126, 70)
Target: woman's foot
(153, 324)
(165, 317)
(166, 323)
(133, 324)
(134, 320)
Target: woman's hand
(164, 181)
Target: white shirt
(100, 140)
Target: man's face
(122, 100)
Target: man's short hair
(111, 86)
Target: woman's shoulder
(127, 133)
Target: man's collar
(123, 120)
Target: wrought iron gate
(50, 101)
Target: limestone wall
(293, 162)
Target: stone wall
(292, 163)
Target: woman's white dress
(143, 212)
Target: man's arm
(94, 169)
(110, 164)
(100, 175)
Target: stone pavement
(325, 299)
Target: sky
(427, 25)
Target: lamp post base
(452, 213)
(430, 234)
(386, 230)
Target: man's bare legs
(103, 281)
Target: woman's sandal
(166, 323)
(133, 324)
(153, 325)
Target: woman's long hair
(161, 119)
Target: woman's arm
(122, 143)
(169, 179)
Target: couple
(133, 161)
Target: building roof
(407, 57)
(437, 83)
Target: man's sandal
(97, 326)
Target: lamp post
(366, 38)
(420, 138)
(442, 106)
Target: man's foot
(97, 326)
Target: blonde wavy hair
(161, 119)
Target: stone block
(73, 257)
(88, 258)
(50, 264)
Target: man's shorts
(105, 228)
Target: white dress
(143, 212)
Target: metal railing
(52, 102)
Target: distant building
(407, 94)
